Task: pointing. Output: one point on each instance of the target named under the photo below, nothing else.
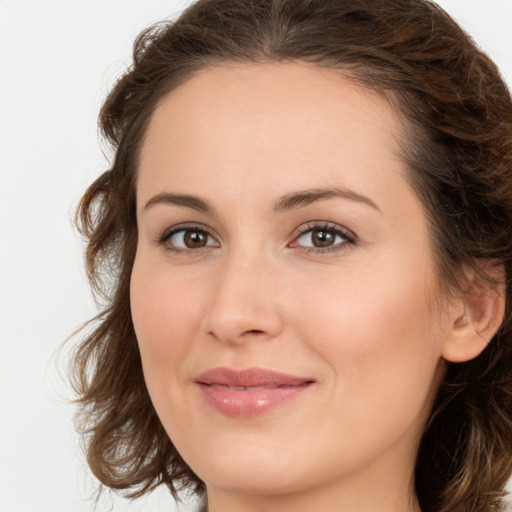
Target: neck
(300, 503)
(360, 496)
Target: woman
(304, 247)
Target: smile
(250, 392)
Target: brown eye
(190, 239)
(195, 239)
(322, 238)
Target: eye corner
(187, 245)
(331, 237)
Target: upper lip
(250, 377)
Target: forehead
(268, 123)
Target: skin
(363, 319)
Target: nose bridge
(244, 301)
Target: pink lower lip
(249, 401)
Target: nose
(245, 301)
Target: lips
(249, 392)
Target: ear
(476, 314)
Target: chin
(251, 473)
(262, 482)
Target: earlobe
(476, 317)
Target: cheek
(379, 341)
(378, 307)
(376, 330)
(166, 316)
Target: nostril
(253, 331)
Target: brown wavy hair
(458, 148)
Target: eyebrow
(306, 197)
(288, 202)
(188, 201)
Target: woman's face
(283, 291)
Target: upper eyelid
(187, 226)
(350, 238)
(163, 239)
(298, 232)
(309, 226)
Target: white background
(58, 58)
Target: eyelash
(168, 233)
(348, 237)
(336, 230)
